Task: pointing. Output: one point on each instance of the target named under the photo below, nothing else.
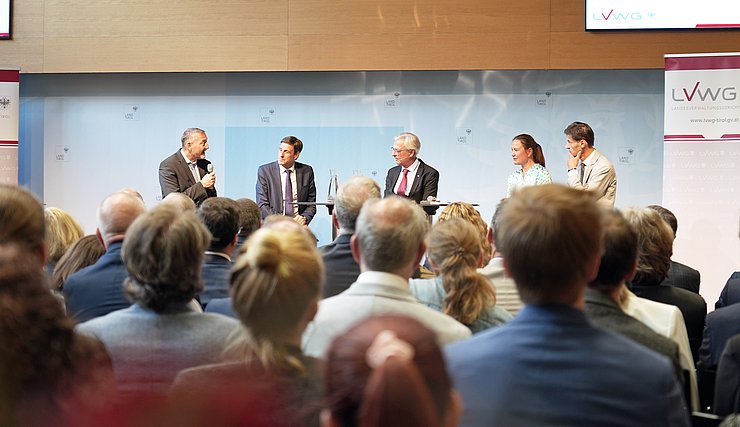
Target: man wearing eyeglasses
(411, 178)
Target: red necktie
(402, 187)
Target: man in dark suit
(730, 293)
(411, 178)
(221, 217)
(550, 366)
(276, 194)
(186, 171)
(618, 264)
(722, 324)
(679, 275)
(98, 289)
(340, 267)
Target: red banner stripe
(10, 76)
(8, 143)
(701, 62)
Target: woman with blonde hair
(469, 213)
(458, 289)
(62, 232)
(527, 153)
(275, 289)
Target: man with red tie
(411, 178)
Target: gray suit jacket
(175, 176)
(603, 312)
(270, 192)
(599, 176)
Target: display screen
(661, 14)
(4, 19)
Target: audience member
(459, 290)
(81, 254)
(727, 381)
(507, 296)
(730, 292)
(389, 243)
(180, 201)
(618, 264)
(679, 275)
(250, 220)
(655, 247)
(341, 268)
(527, 153)
(161, 334)
(388, 371)
(721, 325)
(588, 168)
(62, 232)
(549, 366)
(97, 290)
(275, 286)
(411, 178)
(220, 215)
(46, 370)
(469, 213)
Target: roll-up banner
(9, 108)
(701, 163)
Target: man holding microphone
(187, 171)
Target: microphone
(210, 168)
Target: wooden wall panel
(423, 51)
(163, 54)
(26, 49)
(90, 36)
(382, 17)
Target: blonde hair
(454, 250)
(654, 245)
(62, 232)
(467, 212)
(273, 284)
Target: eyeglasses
(395, 150)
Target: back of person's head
(349, 200)
(163, 253)
(454, 250)
(221, 217)
(61, 232)
(179, 200)
(620, 253)
(22, 219)
(250, 217)
(529, 143)
(116, 213)
(654, 245)
(388, 371)
(282, 222)
(45, 359)
(389, 233)
(81, 254)
(495, 225)
(410, 141)
(579, 131)
(550, 238)
(275, 286)
(667, 216)
(469, 213)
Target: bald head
(350, 198)
(115, 215)
(390, 236)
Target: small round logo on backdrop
(4, 102)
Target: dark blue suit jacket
(216, 274)
(722, 324)
(425, 184)
(221, 306)
(340, 268)
(684, 277)
(270, 191)
(731, 292)
(550, 367)
(97, 290)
